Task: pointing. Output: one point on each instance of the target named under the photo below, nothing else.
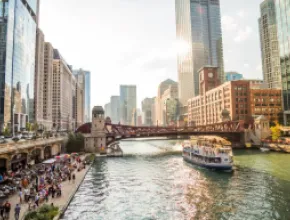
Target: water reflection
(163, 186)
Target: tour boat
(209, 151)
(264, 149)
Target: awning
(284, 128)
(50, 161)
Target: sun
(181, 47)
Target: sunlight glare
(181, 47)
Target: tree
(276, 132)
(76, 143)
(28, 126)
(6, 132)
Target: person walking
(17, 211)
(7, 208)
(69, 177)
(20, 196)
(2, 211)
(73, 177)
(36, 199)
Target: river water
(153, 182)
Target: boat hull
(222, 167)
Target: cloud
(241, 14)
(243, 34)
(229, 23)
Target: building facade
(62, 99)
(17, 71)
(80, 98)
(166, 90)
(198, 24)
(128, 102)
(267, 102)
(87, 96)
(39, 78)
(95, 142)
(86, 81)
(147, 111)
(239, 99)
(115, 109)
(107, 108)
(283, 21)
(270, 44)
(231, 76)
(169, 105)
(47, 86)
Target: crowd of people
(39, 183)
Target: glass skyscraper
(17, 62)
(128, 103)
(198, 23)
(283, 21)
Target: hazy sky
(133, 41)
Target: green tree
(6, 132)
(76, 143)
(28, 126)
(276, 132)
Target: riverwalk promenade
(68, 191)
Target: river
(153, 182)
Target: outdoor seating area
(35, 183)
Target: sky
(134, 41)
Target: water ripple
(165, 187)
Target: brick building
(238, 98)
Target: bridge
(232, 130)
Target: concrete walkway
(68, 190)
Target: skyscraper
(47, 85)
(63, 95)
(269, 44)
(198, 24)
(17, 65)
(39, 78)
(115, 109)
(80, 98)
(86, 81)
(88, 109)
(128, 103)
(283, 21)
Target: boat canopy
(210, 140)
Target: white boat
(209, 152)
(264, 149)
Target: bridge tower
(96, 141)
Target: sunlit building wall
(47, 86)
(269, 44)
(39, 78)
(63, 100)
(198, 23)
(17, 65)
(166, 89)
(88, 108)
